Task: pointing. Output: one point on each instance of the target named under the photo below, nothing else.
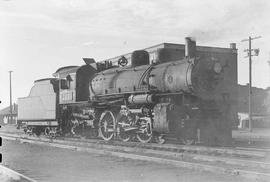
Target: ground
(44, 163)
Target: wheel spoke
(145, 133)
(123, 123)
(107, 125)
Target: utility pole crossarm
(244, 40)
(256, 37)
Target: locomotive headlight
(217, 68)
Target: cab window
(64, 84)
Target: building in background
(260, 107)
(6, 117)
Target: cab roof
(65, 71)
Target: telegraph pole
(249, 50)
(10, 96)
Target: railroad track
(248, 163)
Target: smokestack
(190, 47)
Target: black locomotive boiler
(188, 95)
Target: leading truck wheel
(187, 132)
(107, 125)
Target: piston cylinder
(141, 99)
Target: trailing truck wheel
(107, 125)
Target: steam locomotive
(179, 94)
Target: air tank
(141, 99)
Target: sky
(39, 36)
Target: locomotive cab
(67, 83)
(74, 82)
